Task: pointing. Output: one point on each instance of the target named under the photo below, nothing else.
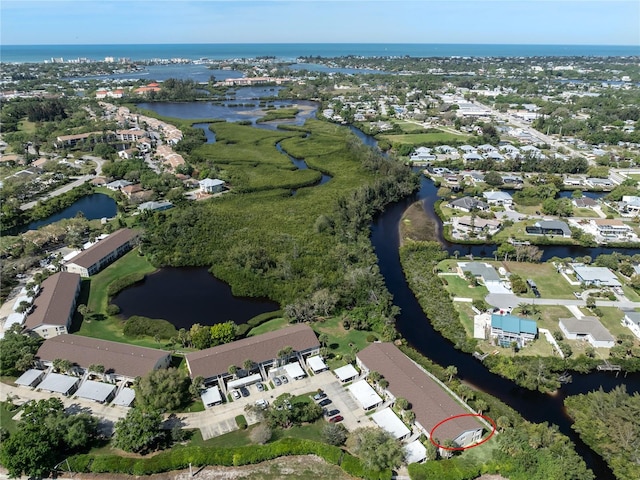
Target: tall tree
(139, 431)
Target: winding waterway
(416, 328)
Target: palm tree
(451, 371)
(248, 365)
(323, 338)
(232, 369)
(481, 406)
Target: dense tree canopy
(46, 433)
(17, 351)
(163, 390)
(610, 424)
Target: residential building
(467, 204)
(507, 329)
(121, 361)
(472, 157)
(73, 140)
(549, 227)
(584, 202)
(631, 320)
(211, 185)
(630, 205)
(388, 421)
(599, 183)
(498, 198)
(155, 206)
(118, 184)
(365, 395)
(131, 135)
(213, 363)
(597, 276)
(54, 306)
(429, 399)
(612, 228)
(587, 328)
(95, 258)
(476, 225)
(480, 270)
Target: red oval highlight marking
(458, 449)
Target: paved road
(510, 300)
(65, 188)
(216, 420)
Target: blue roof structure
(513, 324)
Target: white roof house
(498, 197)
(211, 396)
(211, 185)
(316, 364)
(387, 420)
(30, 378)
(599, 276)
(125, 397)
(58, 383)
(587, 328)
(346, 373)
(365, 395)
(96, 391)
(241, 382)
(631, 320)
(294, 370)
(415, 452)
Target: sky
(59, 22)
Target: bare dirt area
(416, 226)
(304, 467)
(491, 477)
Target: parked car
(325, 402)
(336, 419)
(319, 396)
(332, 413)
(276, 381)
(235, 394)
(244, 391)
(262, 403)
(284, 379)
(260, 387)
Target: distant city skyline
(536, 22)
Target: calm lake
(94, 206)
(185, 296)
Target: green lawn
(340, 340)
(459, 287)
(611, 317)
(94, 294)
(550, 283)
(270, 326)
(584, 212)
(408, 127)
(629, 292)
(425, 138)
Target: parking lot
(220, 419)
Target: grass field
(94, 295)
(550, 283)
(270, 326)
(439, 138)
(459, 287)
(341, 341)
(408, 127)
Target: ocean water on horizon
(290, 51)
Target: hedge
(121, 283)
(179, 458)
(450, 469)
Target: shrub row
(451, 469)
(138, 326)
(256, 321)
(121, 283)
(180, 458)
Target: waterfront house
(472, 157)
(584, 202)
(477, 225)
(630, 205)
(595, 276)
(612, 229)
(507, 329)
(95, 258)
(429, 398)
(587, 328)
(467, 204)
(549, 227)
(53, 308)
(155, 206)
(631, 320)
(118, 184)
(604, 183)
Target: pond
(184, 296)
(234, 110)
(94, 206)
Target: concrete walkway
(551, 340)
